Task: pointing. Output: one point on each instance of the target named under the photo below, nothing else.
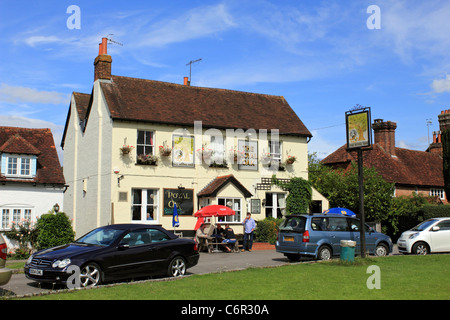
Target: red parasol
(212, 211)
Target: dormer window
(18, 166)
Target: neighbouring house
(411, 171)
(133, 148)
(31, 177)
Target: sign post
(358, 130)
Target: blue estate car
(319, 236)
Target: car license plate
(288, 238)
(36, 272)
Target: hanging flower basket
(126, 149)
(266, 158)
(165, 150)
(291, 159)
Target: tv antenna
(190, 67)
(429, 122)
(111, 40)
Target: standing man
(249, 227)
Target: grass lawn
(402, 277)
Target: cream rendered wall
(89, 169)
(70, 162)
(164, 175)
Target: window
(444, 225)
(434, 192)
(27, 214)
(5, 218)
(145, 205)
(16, 215)
(235, 204)
(145, 144)
(19, 166)
(12, 166)
(25, 167)
(275, 150)
(330, 224)
(275, 204)
(218, 148)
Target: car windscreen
(424, 225)
(293, 224)
(100, 237)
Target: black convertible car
(121, 251)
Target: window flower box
(147, 159)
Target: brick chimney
(102, 64)
(384, 135)
(444, 120)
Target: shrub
(53, 230)
(266, 230)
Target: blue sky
(319, 55)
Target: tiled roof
(218, 183)
(175, 104)
(36, 142)
(409, 167)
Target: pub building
(133, 148)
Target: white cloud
(15, 94)
(441, 85)
(37, 40)
(196, 23)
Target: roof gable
(18, 145)
(213, 188)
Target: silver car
(5, 273)
(432, 235)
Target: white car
(432, 235)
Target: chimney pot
(186, 81)
(384, 134)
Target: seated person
(200, 234)
(219, 230)
(229, 237)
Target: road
(19, 285)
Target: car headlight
(414, 235)
(29, 259)
(61, 263)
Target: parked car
(432, 235)
(5, 273)
(319, 235)
(121, 251)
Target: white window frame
(437, 192)
(11, 214)
(144, 205)
(274, 207)
(145, 145)
(236, 205)
(218, 148)
(20, 162)
(272, 150)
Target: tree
(341, 189)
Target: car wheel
(324, 253)
(90, 275)
(177, 267)
(420, 248)
(381, 250)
